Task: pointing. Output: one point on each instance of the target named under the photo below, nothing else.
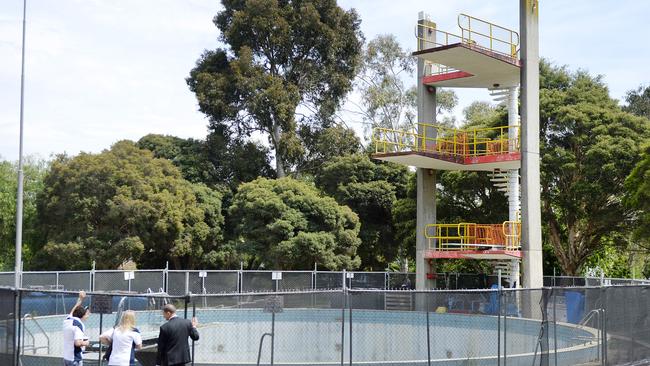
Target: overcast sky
(98, 71)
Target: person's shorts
(72, 363)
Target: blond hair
(127, 322)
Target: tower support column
(426, 178)
(531, 228)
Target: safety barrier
(448, 141)
(594, 325)
(472, 236)
(475, 32)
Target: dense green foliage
(281, 54)
(323, 145)
(370, 189)
(124, 204)
(219, 160)
(33, 172)
(287, 224)
(588, 147)
(638, 101)
(638, 197)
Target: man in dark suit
(173, 348)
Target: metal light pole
(19, 195)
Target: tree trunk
(279, 167)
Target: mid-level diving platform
(442, 148)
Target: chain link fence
(179, 283)
(608, 325)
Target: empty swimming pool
(320, 336)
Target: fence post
(505, 334)
(426, 294)
(350, 326)
(187, 282)
(386, 279)
(92, 278)
(240, 278)
(165, 284)
(544, 351)
(17, 329)
(604, 327)
(554, 324)
(343, 301)
(499, 320)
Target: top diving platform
(484, 55)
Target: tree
(588, 147)
(638, 197)
(281, 55)
(287, 224)
(189, 155)
(33, 172)
(386, 101)
(370, 190)
(323, 145)
(124, 204)
(220, 160)
(638, 102)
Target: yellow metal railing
(512, 233)
(447, 141)
(472, 236)
(489, 35)
(474, 31)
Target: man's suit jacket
(173, 348)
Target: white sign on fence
(276, 276)
(203, 274)
(129, 275)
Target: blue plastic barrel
(575, 306)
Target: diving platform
(491, 254)
(442, 161)
(442, 148)
(469, 66)
(481, 55)
(474, 241)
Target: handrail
(512, 240)
(40, 328)
(448, 141)
(512, 42)
(433, 41)
(470, 36)
(469, 236)
(581, 325)
(259, 352)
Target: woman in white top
(125, 339)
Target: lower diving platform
(474, 241)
